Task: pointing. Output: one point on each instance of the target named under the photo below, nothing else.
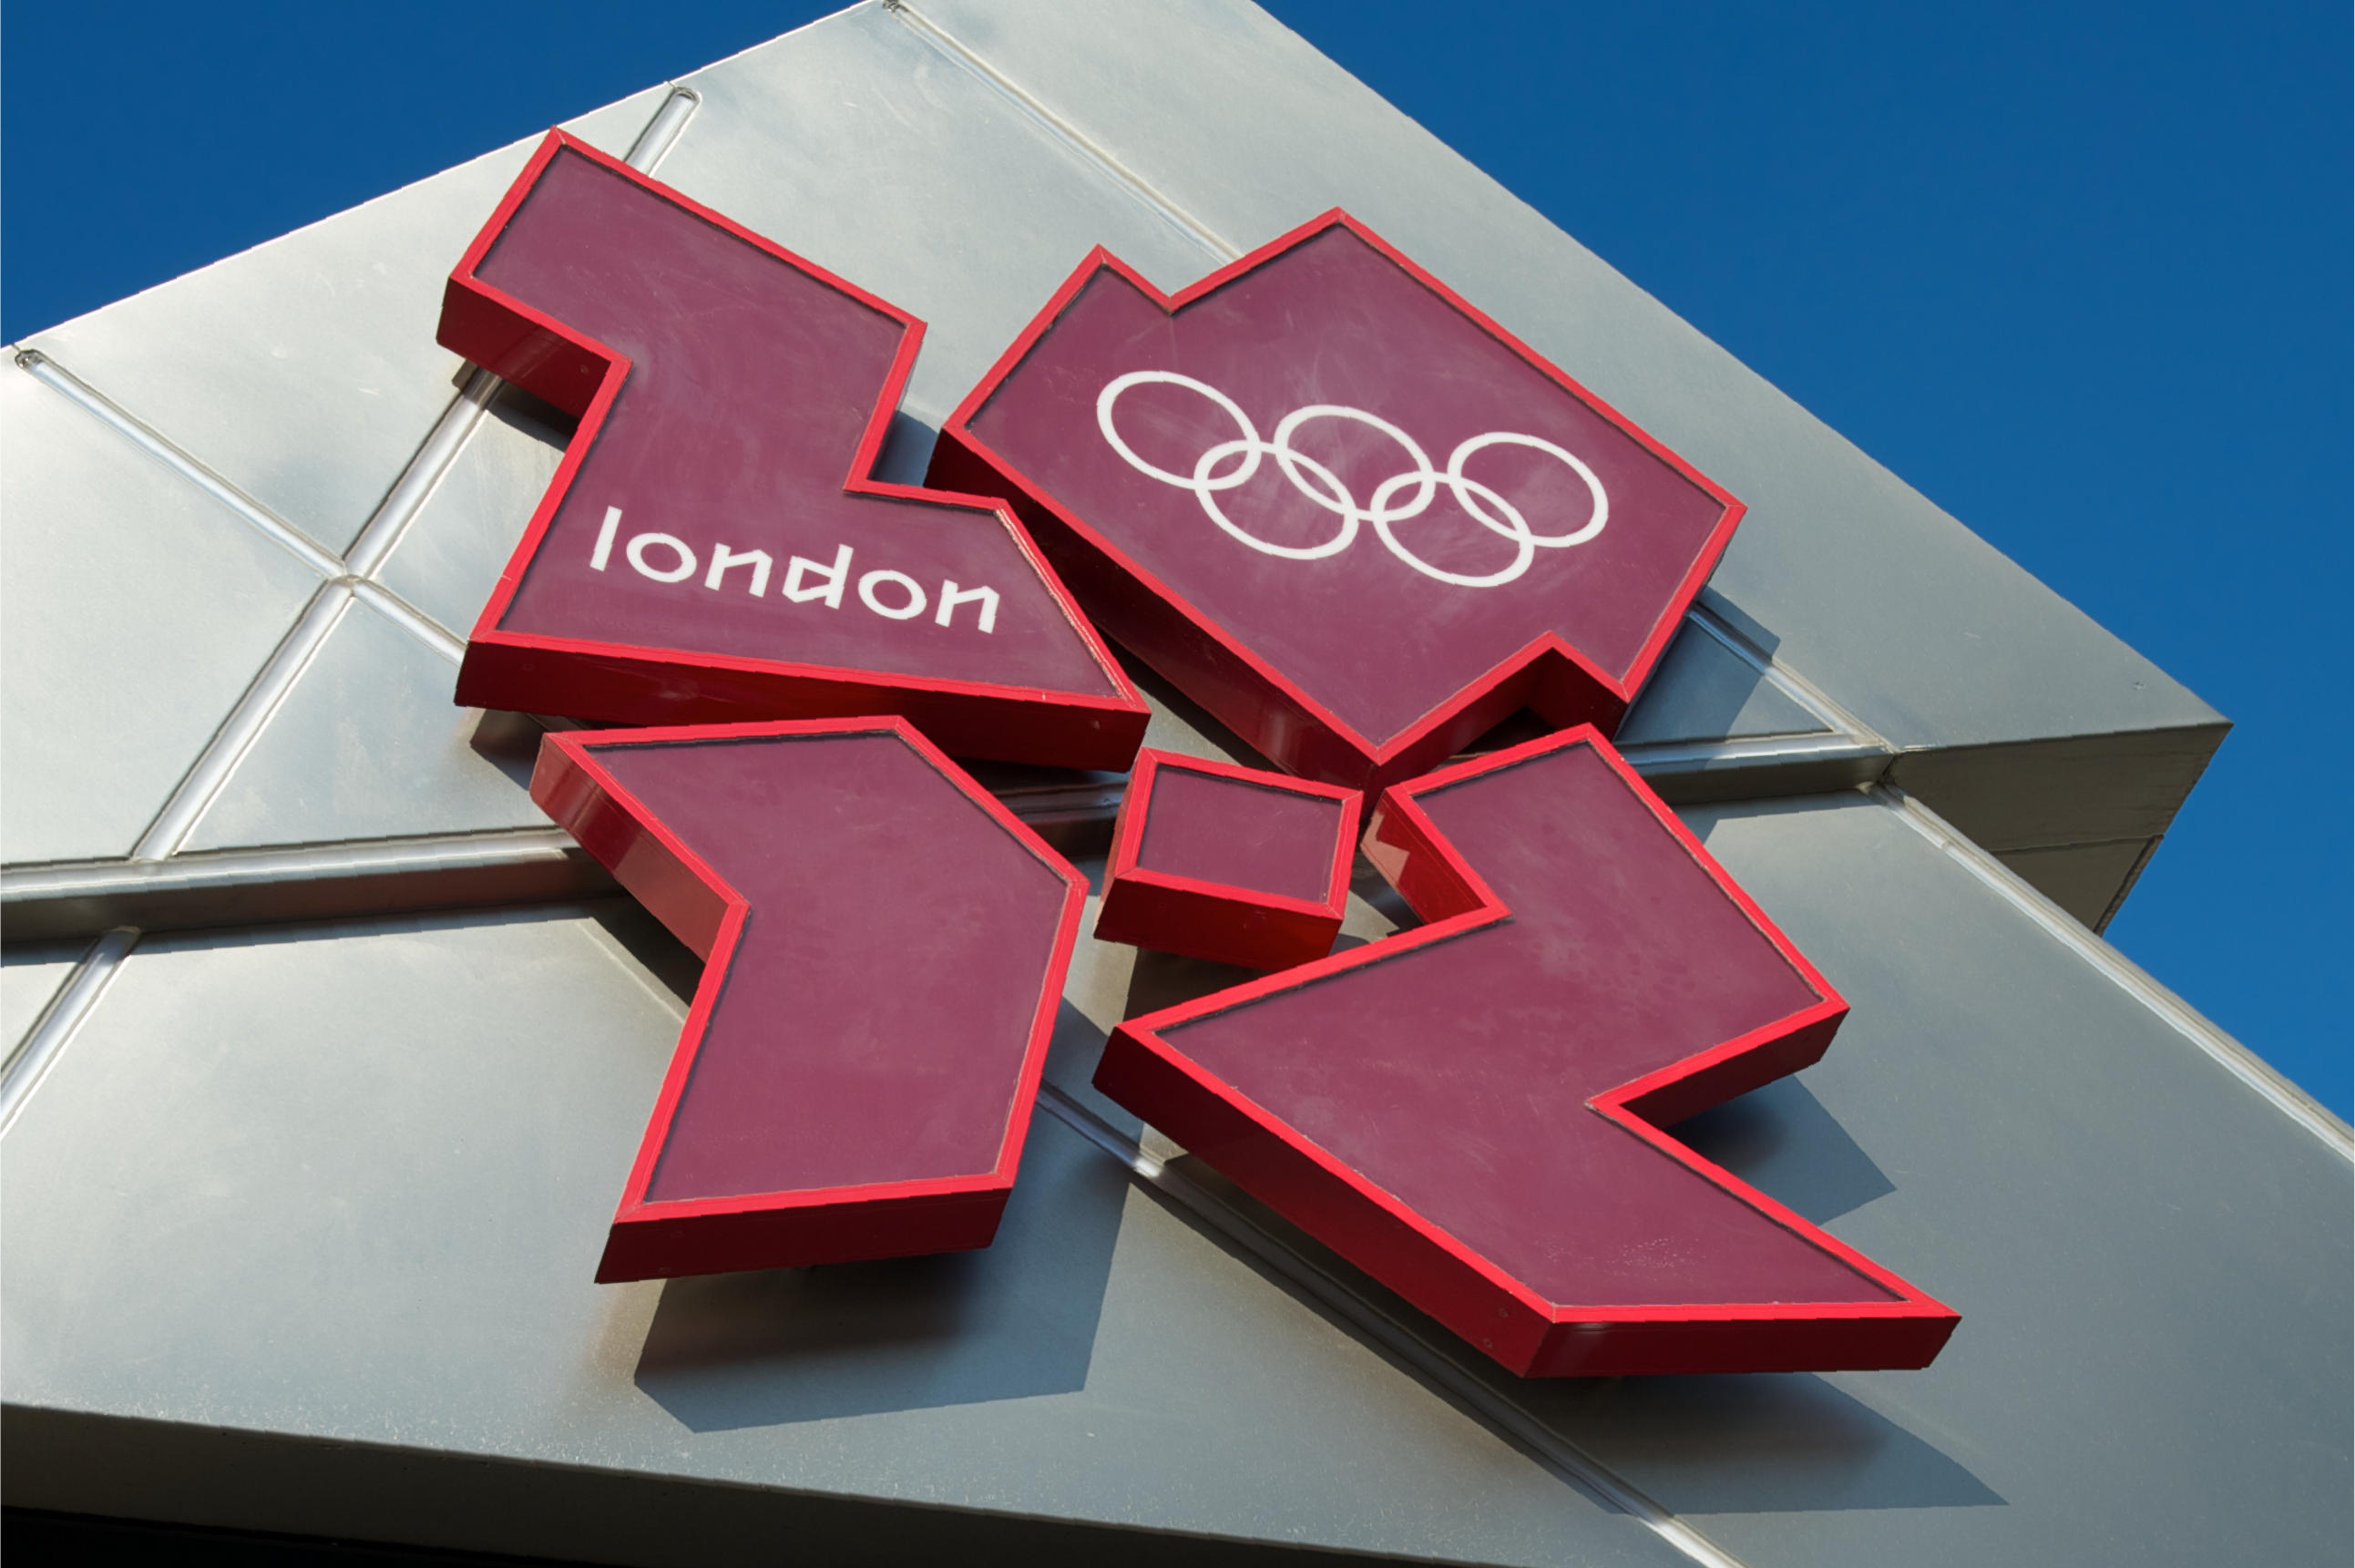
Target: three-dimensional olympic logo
(1474, 1111)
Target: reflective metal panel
(212, 1220)
(451, 552)
(137, 610)
(1840, 570)
(368, 745)
(1704, 691)
(858, 145)
(30, 977)
(304, 371)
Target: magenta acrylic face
(1340, 473)
(1210, 828)
(713, 548)
(1217, 861)
(831, 1098)
(1468, 1111)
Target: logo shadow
(1013, 1320)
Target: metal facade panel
(350, 1176)
(855, 145)
(137, 610)
(30, 977)
(451, 553)
(2151, 1262)
(212, 1220)
(1703, 692)
(366, 745)
(1839, 569)
(304, 371)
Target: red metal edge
(680, 889)
(962, 456)
(1532, 1337)
(522, 344)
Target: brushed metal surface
(1704, 691)
(389, 1243)
(136, 609)
(854, 144)
(367, 745)
(304, 371)
(384, 1243)
(30, 976)
(451, 553)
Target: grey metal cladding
(366, 745)
(304, 371)
(449, 556)
(214, 1228)
(2086, 880)
(2150, 1261)
(211, 1222)
(1703, 692)
(136, 610)
(30, 977)
(857, 144)
(1840, 570)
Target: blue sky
(2080, 274)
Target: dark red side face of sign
(828, 1100)
(712, 548)
(1470, 1111)
(1338, 506)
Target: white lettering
(951, 596)
(722, 557)
(833, 576)
(605, 550)
(908, 612)
(637, 554)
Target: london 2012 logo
(1474, 1110)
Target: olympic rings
(1321, 485)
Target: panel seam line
(2121, 971)
(949, 48)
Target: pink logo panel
(1338, 506)
(712, 548)
(828, 1100)
(1471, 1111)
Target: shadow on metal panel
(1762, 1443)
(1781, 1140)
(1013, 1320)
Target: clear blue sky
(2079, 273)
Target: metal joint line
(423, 475)
(272, 527)
(244, 724)
(409, 618)
(1063, 131)
(2120, 970)
(1452, 1382)
(74, 1002)
(385, 524)
(662, 131)
(308, 863)
(1788, 681)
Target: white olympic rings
(1325, 489)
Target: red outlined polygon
(1218, 666)
(583, 675)
(1153, 1067)
(1229, 921)
(922, 1209)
